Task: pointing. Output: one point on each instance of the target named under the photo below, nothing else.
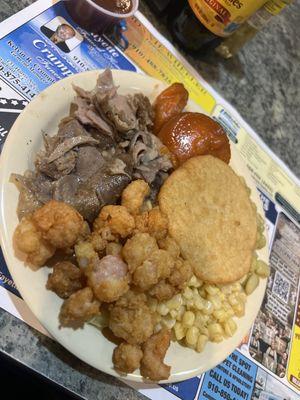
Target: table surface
(263, 84)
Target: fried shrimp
(181, 273)
(157, 266)
(155, 348)
(65, 279)
(108, 278)
(28, 240)
(79, 308)
(137, 249)
(134, 195)
(131, 319)
(163, 291)
(127, 357)
(117, 218)
(60, 224)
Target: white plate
(25, 139)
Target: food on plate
(146, 253)
(79, 308)
(103, 144)
(127, 357)
(190, 134)
(169, 103)
(65, 279)
(154, 351)
(211, 217)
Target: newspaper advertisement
(266, 366)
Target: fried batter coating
(127, 357)
(163, 291)
(85, 253)
(65, 279)
(117, 218)
(60, 224)
(131, 319)
(79, 308)
(108, 278)
(181, 273)
(157, 224)
(157, 266)
(137, 249)
(155, 348)
(152, 222)
(113, 249)
(170, 245)
(28, 240)
(134, 195)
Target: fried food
(181, 273)
(154, 351)
(60, 224)
(170, 245)
(28, 240)
(79, 308)
(65, 279)
(131, 319)
(127, 357)
(108, 278)
(157, 266)
(163, 291)
(117, 219)
(134, 195)
(137, 249)
(152, 222)
(169, 103)
(193, 134)
(211, 218)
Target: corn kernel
(162, 309)
(208, 307)
(179, 331)
(192, 336)
(251, 284)
(202, 340)
(188, 318)
(188, 293)
(262, 269)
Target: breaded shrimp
(154, 351)
(65, 279)
(134, 195)
(137, 249)
(117, 218)
(108, 278)
(79, 308)
(60, 224)
(157, 224)
(28, 240)
(181, 273)
(127, 357)
(170, 245)
(131, 319)
(163, 291)
(157, 266)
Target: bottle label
(223, 17)
(269, 10)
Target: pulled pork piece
(59, 223)
(131, 319)
(108, 278)
(28, 240)
(127, 357)
(154, 351)
(65, 279)
(78, 309)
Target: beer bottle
(231, 45)
(200, 25)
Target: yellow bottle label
(223, 17)
(275, 6)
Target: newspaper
(267, 364)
